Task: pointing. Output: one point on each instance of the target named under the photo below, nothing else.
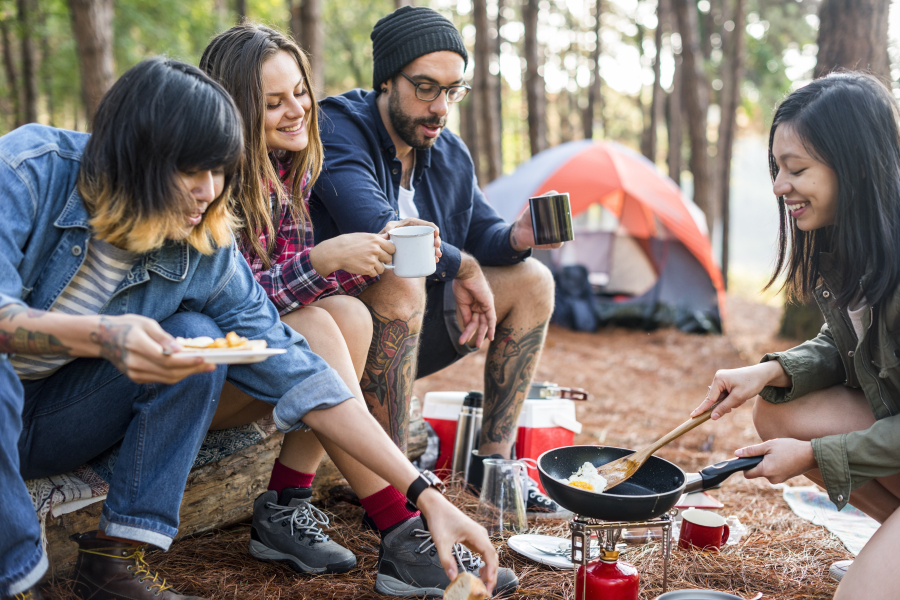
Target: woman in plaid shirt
(312, 286)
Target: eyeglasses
(429, 92)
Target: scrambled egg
(587, 478)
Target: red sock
(285, 477)
(387, 508)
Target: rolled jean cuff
(139, 530)
(31, 578)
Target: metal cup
(551, 219)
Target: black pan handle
(714, 475)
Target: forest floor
(642, 385)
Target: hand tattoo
(507, 376)
(111, 339)
(389, 375)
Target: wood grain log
(217, 495)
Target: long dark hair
(848, 121)
(235, 59)
(161, 117)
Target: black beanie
(408, 33)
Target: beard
(408, 128)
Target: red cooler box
(544, 424)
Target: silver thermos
(468, 433)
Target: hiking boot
(31, 594)
(289, 529)
(537, 504)
(408, 564)
(110, 570)
(839, 569)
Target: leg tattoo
(507, 376)
(390, 371)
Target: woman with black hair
(830, 408)
(111, 245)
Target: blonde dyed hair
(235, 59)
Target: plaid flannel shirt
(292, 282)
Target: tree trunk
(732, 74)
(673, 120)
(92, 27)
(468, 124)
(657, 97)
(534, 82)
(26, 10)
(498, 88)
(853, 35)
(401, 3)
(312, 41)
(696, 98)
(45, 71)
(594, 89)
(240, 7)
(12, 77)
(485, 93)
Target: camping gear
(551, 219)
(607, 578)
(651, 492)
(468, 433)
(644, 248)
(414, 251)
(702, 595)
(501, 505)
(547, 549)
(547, 421)
(852, 526)
(702, 529)
(620, 470)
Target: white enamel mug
(414, 254)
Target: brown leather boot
(112, 570)
(32, 594)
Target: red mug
(702, 529)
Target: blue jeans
(53, 425)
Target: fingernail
(715, 415)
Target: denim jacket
(870, 363)
(44, 233)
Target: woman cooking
(830, 408)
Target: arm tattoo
(111, 339)
(10, 311)
(389, 375)
(509, 368)
(23, 341)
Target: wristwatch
(425, 480)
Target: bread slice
(465, 587)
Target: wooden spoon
(619, 470)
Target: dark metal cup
(551, 219)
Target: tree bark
(46, 74)
(401, 3)
(657, 96)
(240, 7)
(498, 88)
(853, 34)
(485, 92)
(732, 75)
(92, 27)
(26, 10)
(587, 118)
(695, 90)
(12, 77)
(534, 82)
(468, 124)
(312, 41)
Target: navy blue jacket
(358, 188)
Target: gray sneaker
(408, 564)
(289, 530)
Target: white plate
(545, 549)
(233, 357)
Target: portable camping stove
(609, 534)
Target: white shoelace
(463, 554)
(305, 517)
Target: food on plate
(465, 587)
(587, 477)
(231, 341)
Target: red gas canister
(607, 579)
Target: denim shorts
(439, 345)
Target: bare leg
(874, 575)
(397, 306)
(825, 412)
(513, 355)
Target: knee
(191, 324)
(352, 317)
(765, 419)
(538, 280)
(398, 297)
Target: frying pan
(652, 491)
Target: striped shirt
(103, 269)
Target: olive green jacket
(870, 363)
